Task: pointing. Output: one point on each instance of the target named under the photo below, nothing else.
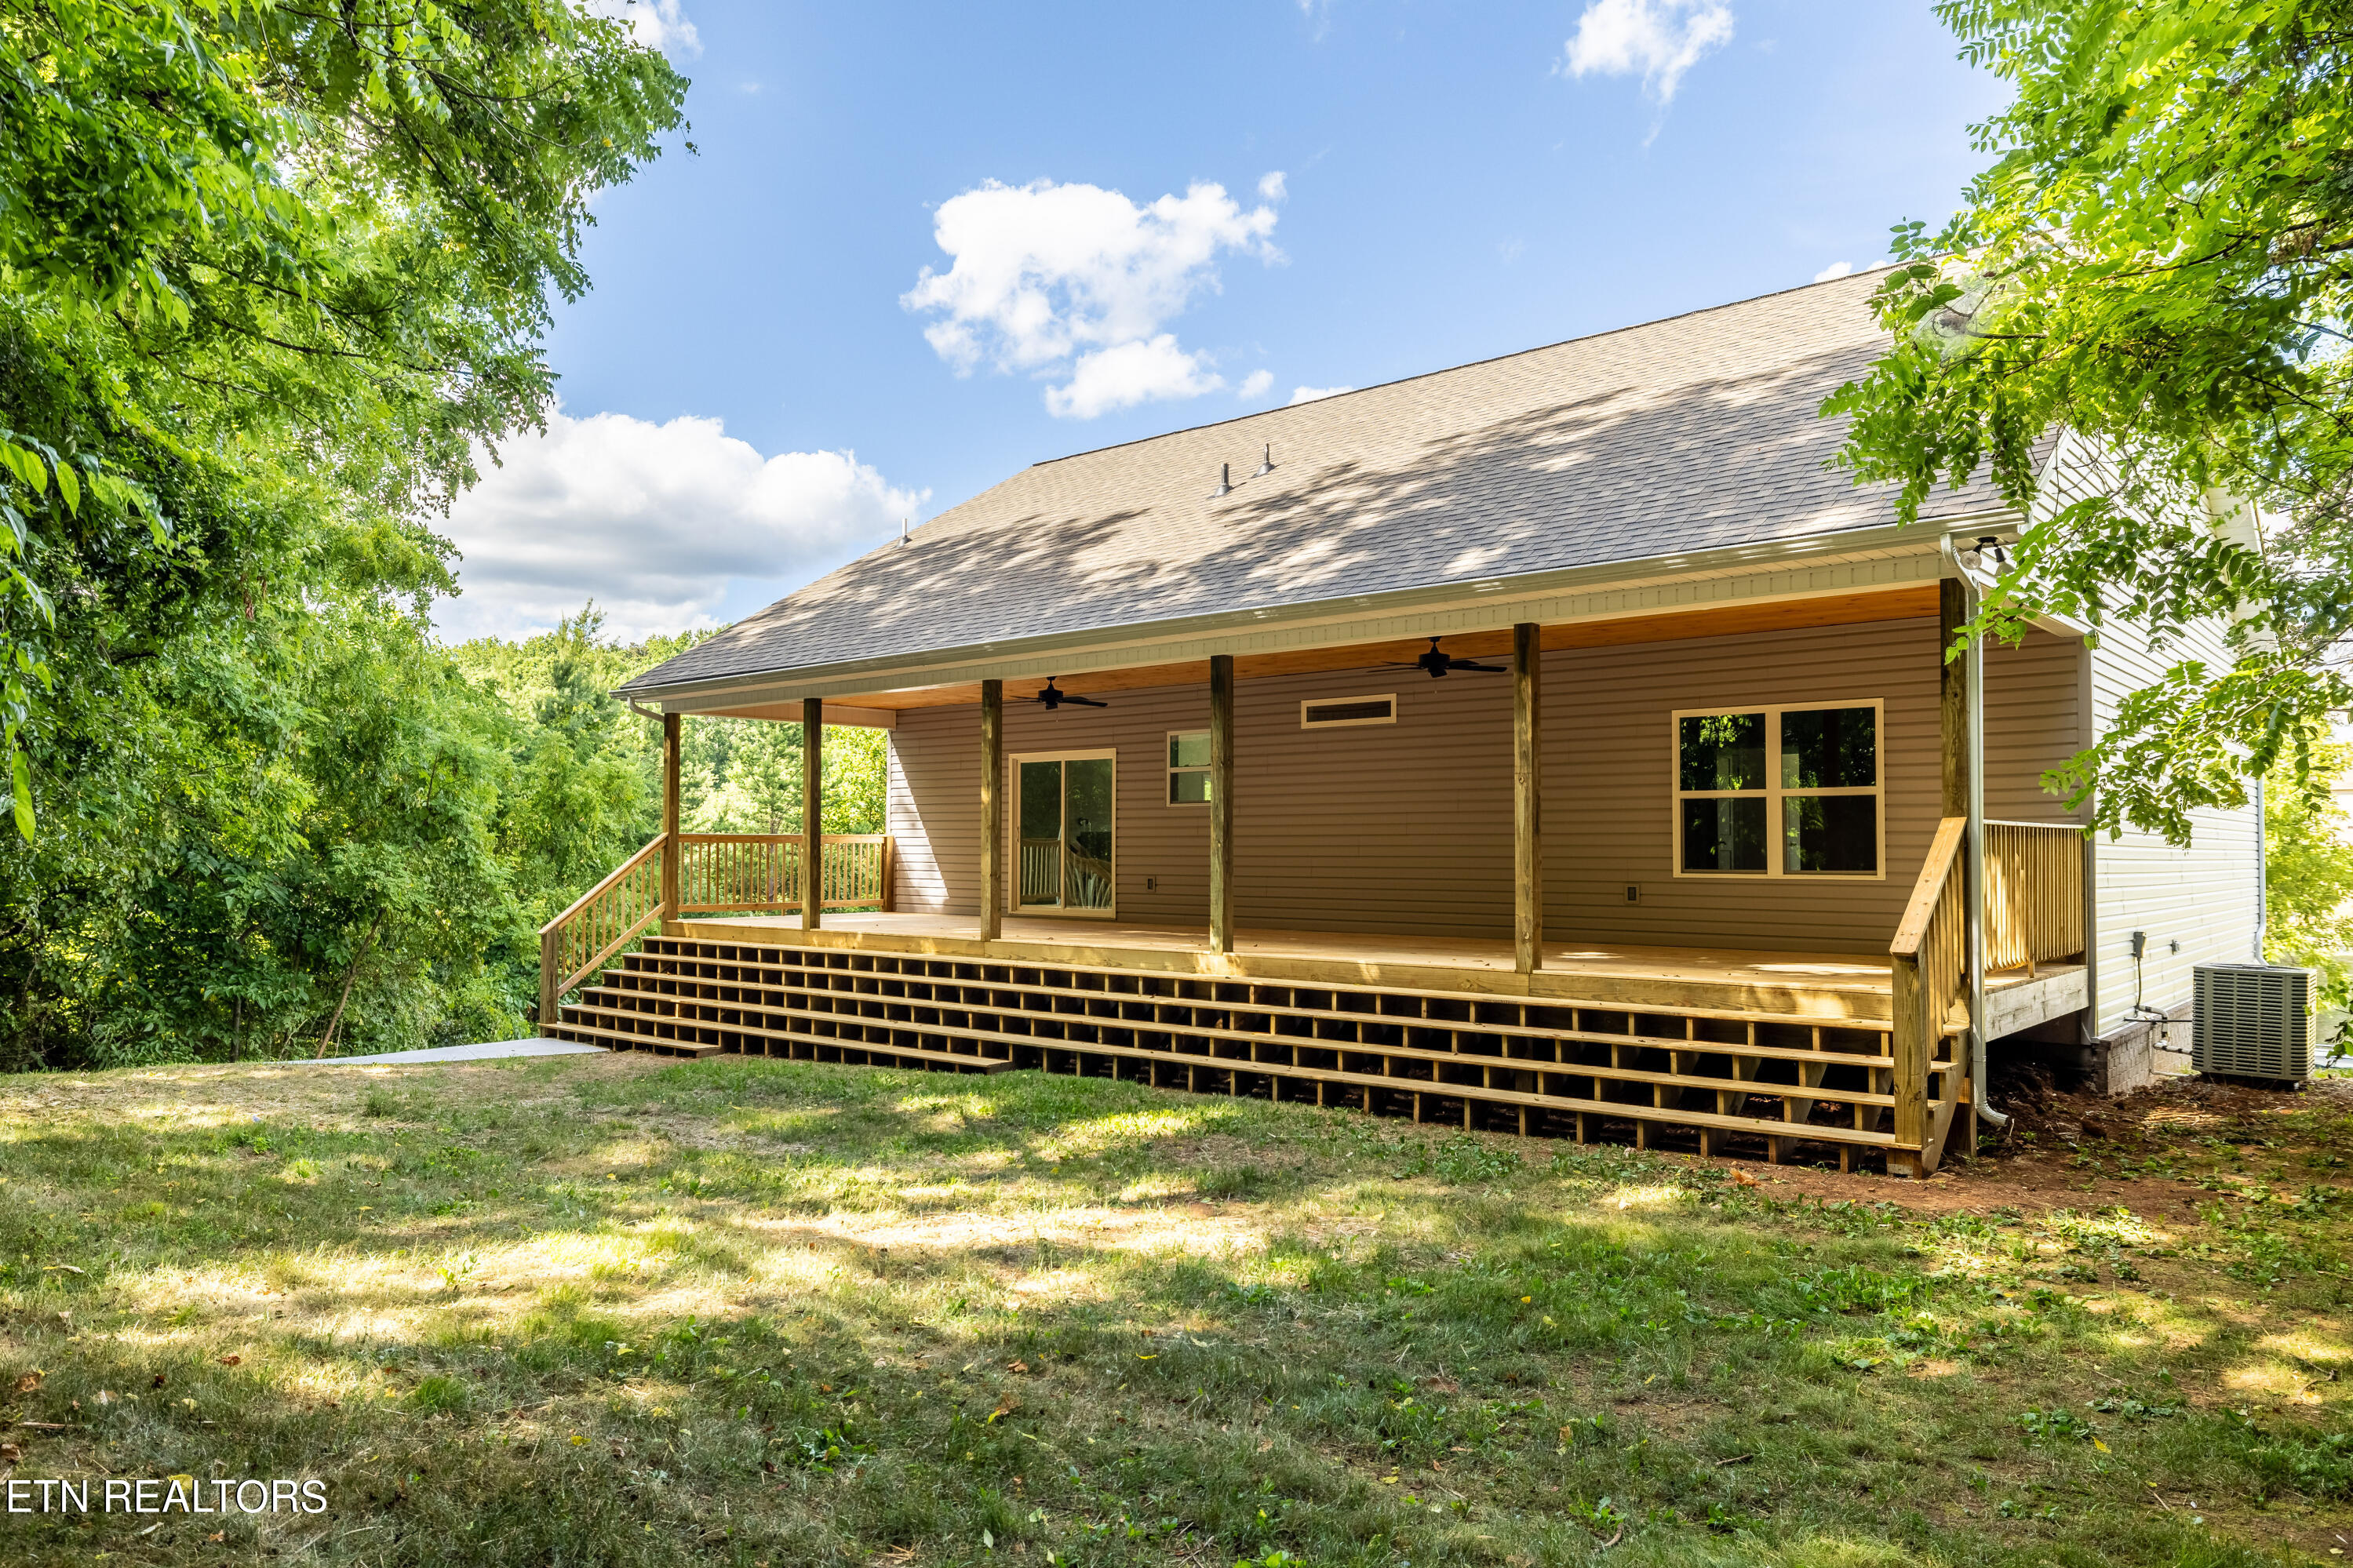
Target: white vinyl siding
(2206, 895)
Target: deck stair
(1735, 1081)
(1773, 1067)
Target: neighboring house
(1677, 849)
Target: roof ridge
(1466, 364)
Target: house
(1552, 743)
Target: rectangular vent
(1339, 712)
(2251, 1020)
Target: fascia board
(1886, 556)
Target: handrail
(1943, 851)
(609, 916)
(653, 845)
(741, 872)
(1929, 962)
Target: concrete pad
(489, 1051)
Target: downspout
(1973, 854)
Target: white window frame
(1013, 905)
(1167, 785)
(1308, 703)
(1774, 793)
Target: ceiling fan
(1053, 697)
(1438, 664)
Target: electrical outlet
(1633, 893)
(1151, 884)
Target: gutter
(942, 664)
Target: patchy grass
(612, 1310)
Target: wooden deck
(1727, 1051)
(1814, 985)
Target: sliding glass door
(1062, 824)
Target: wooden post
(548, 1007)
(992, 809)
(1953, 696)
(1909, 1046)
(1221, 802)
(673, 854)
(1953, 704)
(812, 813)
(1527, 799)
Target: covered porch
(1744, 992)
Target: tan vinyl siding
(1407, 828)
(934, 811)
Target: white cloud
(1300, 395)
(653, 521)
(1075, 281)
(658, 24)
(1128, 373)
(1835, 270)
(1660, 39)
(1254, 384)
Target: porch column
(992, 809)
(812, 812)
(1221, 802)
(1953, 696)
(1960, 693)
(672, 852)
(1527, 798)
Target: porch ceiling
(1905, 603)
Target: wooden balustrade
(739, 873)
(759, 873)
(602, 921)
(1930, 960)
(2033, 893)
(1041, 872)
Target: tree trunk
(349, 976)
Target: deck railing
(742, 873)
(1930, 959)
(602, 921)
(2033, 915)
(761, 872)
(2033, 893)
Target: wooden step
(1537, 1063)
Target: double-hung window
(1189, 767)
(1779, 791)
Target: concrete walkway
(481, 1053)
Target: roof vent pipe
(1225, 480)
(1267, 466)
(907, 531)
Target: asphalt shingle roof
(1694, 433)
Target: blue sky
(762, 383)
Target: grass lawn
(586, 1310)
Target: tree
(286, 266)
(2308, 879)
(2160, 260)
(272, 276)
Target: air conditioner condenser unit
(2251, 1020)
